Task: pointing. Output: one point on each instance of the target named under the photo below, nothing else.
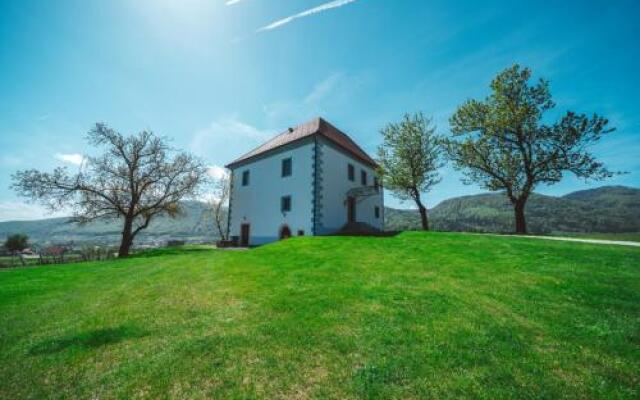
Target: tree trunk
(423, 218)
(220, 222)
(521, 224)
(127, 238)
(423, 214)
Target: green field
(413, 316)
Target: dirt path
(593, 241)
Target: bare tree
(219, 203)
(134, 180)
(410, 157)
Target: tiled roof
(316, 126)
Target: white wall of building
(258, 204)
(335, 185)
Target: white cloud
(73, 158)
(231, 2)
(327, 97)
(228, 127)
(323, 88)
(216, 171)
(226, 139)
(306, 13)
(10, 160)
(16, 211)
(210, 194)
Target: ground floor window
(285, 204)
(376, 211)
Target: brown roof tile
(316, 126)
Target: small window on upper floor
(245, 178)
(376, 183)
(351, 172)
(376, 212)
(285, 203)
(286, 167)
(363, 178)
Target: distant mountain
(194, 224)
(605, 209)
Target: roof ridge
(314, 126)
(257, 147)
(343, 134)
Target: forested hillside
(606, 209)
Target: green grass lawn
(413, 316)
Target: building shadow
(88, 340)
(170, 251)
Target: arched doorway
(285, 232)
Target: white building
(309, 180)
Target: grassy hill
(609, 209)
(436, 315)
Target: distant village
(52, 252)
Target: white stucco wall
(258, 204)
(335, 184)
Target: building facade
(309, 180)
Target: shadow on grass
(88, 340)
(381, 234)
(171, 251)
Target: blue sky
(220, 76)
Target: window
(285, 204)
(363, 178)
(245, 178)
(376, 183)
(286, 167)
(376, 211)
(300, 232)
(351, 172)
